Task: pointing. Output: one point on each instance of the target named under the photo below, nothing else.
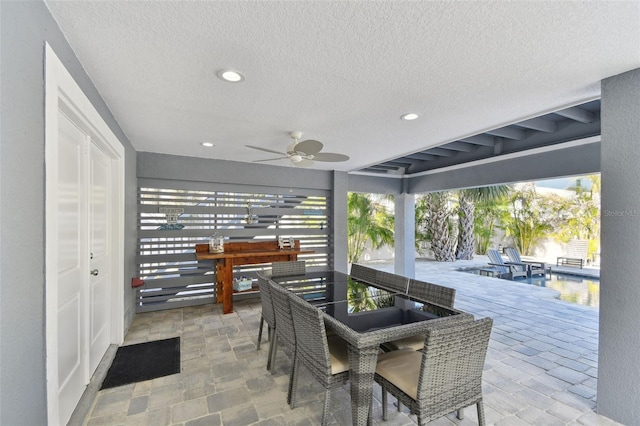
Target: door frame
(63, 93)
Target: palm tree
(368, 223)
(467, 199)
(439, 225)
(422, 233)
(579, 216)
(596, 184)
(529, 219)
(487, 218)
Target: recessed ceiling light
(410, 116)
(230, 76)
(207, 144)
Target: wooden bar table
(243, 253)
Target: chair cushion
(339, 354)
(415, 343)
(402, 368)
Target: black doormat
(143, 361)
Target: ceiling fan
(302, 154)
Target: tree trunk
(441, 242)
(466, 240)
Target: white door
(84, 240)
(72, 265)
(100, 193)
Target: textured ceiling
(342, 72)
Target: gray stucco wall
(619, 343)
(175, 167)
(25, 26)
(339, 216)
(375, 184)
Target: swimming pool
(573, 288)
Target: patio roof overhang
(518, 139)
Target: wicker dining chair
(392, 282)
(325, 357)
(432, 293)
(285, 333)
(268, 315)
(426, 292)
(445, 376)
(285, 269)
(363, 273)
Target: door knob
(94, 272)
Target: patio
(541, 367)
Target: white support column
(404, 235)
(619, 344)
(338, 255)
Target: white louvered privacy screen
(174, 216)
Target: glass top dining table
(366, 315)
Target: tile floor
(541, 368)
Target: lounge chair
(505, 269)
(533, 268)
(577, 254)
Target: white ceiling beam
(440, 152)
(497, 148)
(407, 161)
(399, 162)
(459, 146)
(383, 166)
(484, 140)
(577, 114)
(508, 132)
(422, 156)
(539, 124)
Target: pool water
(573, 288)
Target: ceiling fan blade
(330, 157)
(309, 147)
(304, 163)
(266, 150)
(270, 159)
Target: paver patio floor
(541, 367)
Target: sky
(564, 183)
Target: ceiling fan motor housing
(295, 135)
